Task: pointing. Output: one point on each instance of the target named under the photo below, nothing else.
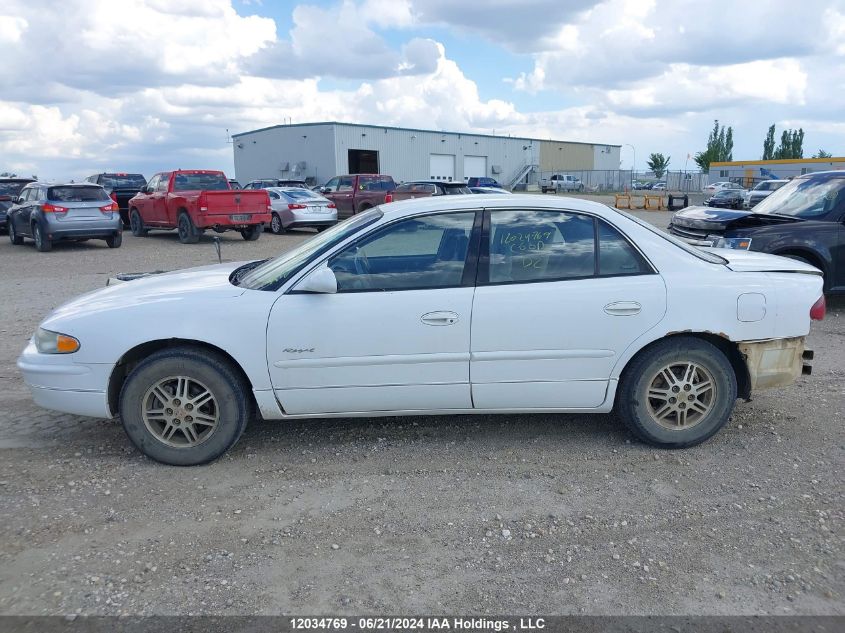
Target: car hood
(754, 262)
(205, 281)
(710, 218)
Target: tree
(720, 145)
(822, 154)
(791, 145)
(769, 144)
(658, 164)
(8, 174)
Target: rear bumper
(775, 363)
(226, 221)
(97, 227)
(312, 223)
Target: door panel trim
(542, 354)
(369, 361)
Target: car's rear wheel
(188, 233)
(14, 238)
(42, 242)
(114, 241)
(136, 224)
(677, 393)
(276, 225)
(184, 407)
(252, 233)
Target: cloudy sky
(145, 85)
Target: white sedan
(444, 305)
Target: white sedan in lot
(471, 304)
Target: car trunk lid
(751, 261)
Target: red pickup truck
(358, 192)
(194, 200)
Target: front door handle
(623, 308)
(439, 318)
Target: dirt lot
(513, 514)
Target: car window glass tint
(540, 246)
(163, 183)
(345, 184)
(616, 254)
(77, 194)
(413, 254)
(200, 182)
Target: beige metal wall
(555, 156)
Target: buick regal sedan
(444, 305)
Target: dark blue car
(804, 219)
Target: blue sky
(146, 85)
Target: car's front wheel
(14, 238)
(276, 225)
(252, 233)
(677, 393)
(184, 407)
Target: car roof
(839, 173)
(492, 201)
(454, 183)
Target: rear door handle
(439, 318)
(623, 308)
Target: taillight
(388, 197)
(818, 310)
(110, 208)
(52, 208)
(293, 206)
(331, 205)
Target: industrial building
(750, 172)
(316, 152)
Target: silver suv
(48, 213)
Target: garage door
(442, 167)
(475, 167)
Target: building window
(806, 170)
(723, 173)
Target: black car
(10, 189)
(478, 181)
(121, 188)
(728, 199)
(804, 219)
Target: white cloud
(12, 27)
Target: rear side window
(527, 246)
(617, 256)
(76, 194)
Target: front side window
(540, 246)
(163, 182)
(412, 254)
(346, 183)
(153, 183)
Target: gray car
(294, 207)
(75, 211)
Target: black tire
(114, 241)
(633, 404)
(136, 224)
(320, 229)
(14, 238)
(252, 233)
(544, 190)
(231, 397)
(43, 243)
(188, 233)
(276, 226)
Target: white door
(551, 316)
(442, 167)
(475, 167)
(395, 337)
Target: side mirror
(325, 189)
(320, 281)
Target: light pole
(633, 164)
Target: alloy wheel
(681, 395)
(180, 411)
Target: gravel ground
(556, 514)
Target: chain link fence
(616, 180)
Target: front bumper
(60, 384)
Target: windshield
(200, 182)
(123, 181)
(806, 197)
(692, 250)
(273, 273)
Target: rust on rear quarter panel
(773, 363)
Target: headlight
(740, 243)
(47, 342)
